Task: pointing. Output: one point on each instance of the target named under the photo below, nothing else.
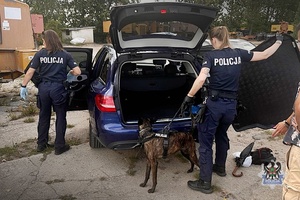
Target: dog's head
(145, 126)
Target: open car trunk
(154, 88)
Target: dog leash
(166, 129)
(165, 135)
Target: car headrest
(127, 68)
(171, 69)
(159, 62)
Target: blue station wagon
(154, 58)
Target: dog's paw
(151, 190)
(142, 184)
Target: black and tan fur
(179, 141)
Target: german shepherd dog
(178, 141)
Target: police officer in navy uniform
(52, 62)
(222, 67)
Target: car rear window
(159, 29)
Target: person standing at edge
(291, 182)
(52, 62)
(222, 67)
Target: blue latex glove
(23, 93)
(70, 77)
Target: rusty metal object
(234, 172)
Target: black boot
(220, 170)
(42, 147)
(200, 185)
(61, 150)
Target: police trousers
(52, 95)
(218, 116)
(291, 183)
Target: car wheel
(94, 142)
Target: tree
(51, 10)
(252, 15)
(257, 15)
(297, 19)
(75, 13)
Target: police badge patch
(271, 174)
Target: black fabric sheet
(267, 88)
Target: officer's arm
(262, 55)
(75, 71)
(198, 83)
(28, 76)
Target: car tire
(94, 142)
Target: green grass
(70, 126)
(31, 110)
(29, 120)
(20, 150)
(3, 124)
(4, 102)
(73, 141)
(28, 111)
(67, 197)
(8, 151)
(14, 116)
(28, 148)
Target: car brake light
(105, 103)
(163, 11)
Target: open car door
(78, 86)
(267, 88)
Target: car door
(267, 88)
(99, 76)
(79, 87)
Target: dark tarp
(267, 88)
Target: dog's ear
(140, 121)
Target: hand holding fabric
(279, 37)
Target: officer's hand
(279, 37)
(71, 77)
(187, 103)
(23, 93)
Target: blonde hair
(221, 33)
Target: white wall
(86, 33)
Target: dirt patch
(28, 148)
(23, 149)
(17, 114)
